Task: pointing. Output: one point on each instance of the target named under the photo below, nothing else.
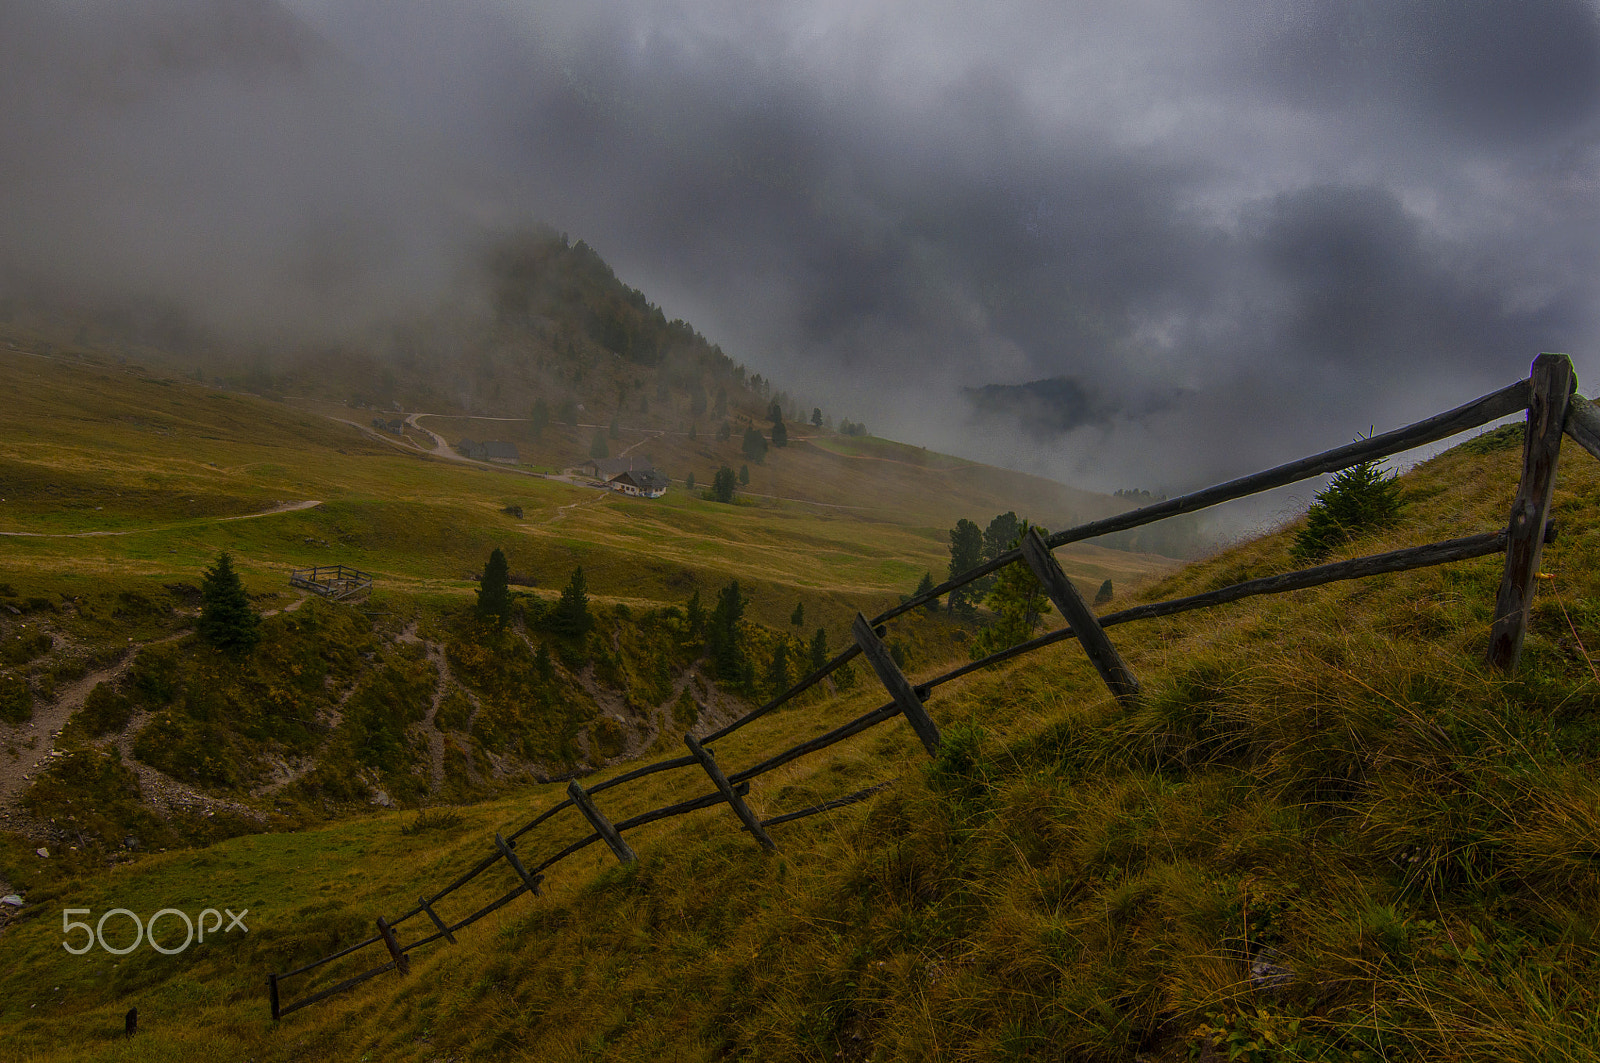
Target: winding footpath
(285, 507)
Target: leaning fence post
(898, 685)
(1552, 383)
(422, 902)
(402, 962)
(740, 809)
(272, 994)
(1107, 661)
(530, 881)
(585, 803)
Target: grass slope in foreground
(1329, 833)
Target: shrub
(1361, 499)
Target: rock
(12, 899)
(1270, 972)
(43, 852)
(381, 799)
(130, 842)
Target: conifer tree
(723, 485)
(226, 619)
(494, 589)
(966, 554)
(571, 616)
(819, 649)
(798, 617)
(1019, 603)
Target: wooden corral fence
(339, 583)
(1547, 397)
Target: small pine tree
(798, 617)
(723, 485)
(226, 619)
(494, 589)
(723, 636)
(688, 484)
(754, 445)
(1360, 499)
(778, 669)
(1019, 603)
(695, 613)
(780, 435)
(744, 476)
(540, 418)
(819, 649)
(571, 616)
(816, 416)
(599, 448)
(923, 587)
(1103, 595)
(542, 664)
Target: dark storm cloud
(217, 158)
(1488, 69)
(1243, 229)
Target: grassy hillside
(121, 484)
(1328, 833)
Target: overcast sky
(1222, 234)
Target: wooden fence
(1547, 396)
(339, 583)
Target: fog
(1152, 244)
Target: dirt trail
(164, 793)
(283, 507)
(435, 738)
(34, 741)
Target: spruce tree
(494, 589)
(571, 614)
(1360, 499)
(966, 554)
(226, 619)
(819, 649)
(798, 617)
(1019, 603)
(723, 485)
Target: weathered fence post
(898, 686)
(530, 881)
(585, 803)
(740, 809)
(402, 962)
(422, 902)
(1552, 383)
(272, 993)
(1107, 661)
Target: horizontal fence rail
(1546, 390)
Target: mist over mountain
(1304, 221)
